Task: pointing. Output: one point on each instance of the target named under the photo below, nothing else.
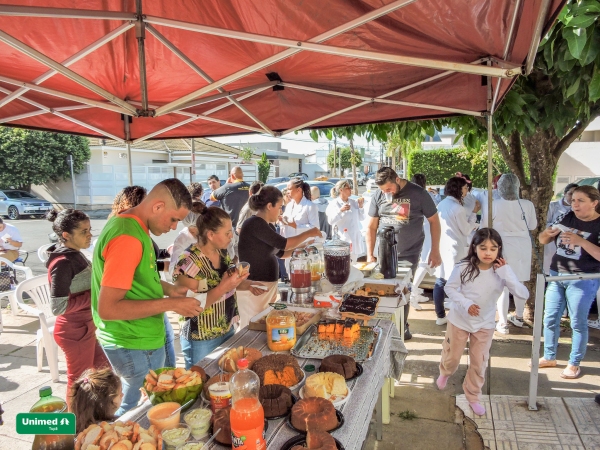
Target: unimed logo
(46, 423)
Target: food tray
(310, 346)
(256, 324)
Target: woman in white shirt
(300, 213)
(513, 218)
(453, 241)
(556, 209)
(347, 214)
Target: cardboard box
(390, 298)
(255, 323)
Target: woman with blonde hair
(347, 213)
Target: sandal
(569, 375)
(544, 363)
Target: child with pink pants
(473, 288)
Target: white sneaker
(502, 328)
(517, 321)
(442, 321)
(594, 324)
(415, 304)
(421, 298)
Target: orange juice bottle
(247, 416)
(281, 329)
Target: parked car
(15, 204)
(278, 180)
(298, 175)
(335, 180)
(324, 187)
(361, 178)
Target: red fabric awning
(335, 62)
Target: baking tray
(256, 325)
(310, 346)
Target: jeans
(282, 272)
(438, 297)
(133, 366)
(194, 351)
(578, 295)
(170, 358)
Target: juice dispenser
(300, 279)
(315, 257)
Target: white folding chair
(27, 273)
(41, 252)
(38, 289)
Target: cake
(342, 364)
(230, 358)
(315, 414)
(278, 369)
(221, 420)
(317, 440)
(275, 399)
(325, 385)
(218, 377)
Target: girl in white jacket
(473, 288)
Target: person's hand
(552, 232)
(187, 307)
(361, 202)
(345, 208)
(231, 281)
(477, 206)
(371, 259)
(291, 224)
(499, 263)
(569, 238)
(315, 232)
(249, 285)
(193, 230)
(473, 310)
(172, 290)
(435, 259)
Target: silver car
(16, 204)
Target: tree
(37, 157)
(540, 117)
(264, 166)
(346, 154)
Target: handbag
(8, 279)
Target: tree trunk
(353, 161)
(334, 156)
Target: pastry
(278, 369)
(230, 358)
(275, 399)
(341, 364)
(325, 385)
(315, 414)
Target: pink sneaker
(441, 382)
(477, 408)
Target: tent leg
(140, 34)
(490, 155)
(537, 337)
(128, 146)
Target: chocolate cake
(278, 369)
(276, 400)
(221, 420)
(317, 440)
(314, 413)
(341, 364)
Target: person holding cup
(347, 213)
(204, 268)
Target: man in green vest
(128, 297)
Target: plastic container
(49, 403)
(281, 329)
(160, 415)
(176, 436)
(191, 446)
(219, 395)
(199, 421)
(247, 414)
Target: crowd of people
(111, 320)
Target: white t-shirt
(10, 231)
(484, 290)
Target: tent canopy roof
(181, 68)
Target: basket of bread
(119, 436)
(171, 384)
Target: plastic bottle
(51, 404)
(247, 414)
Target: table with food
(304, 374)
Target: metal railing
(537, 328)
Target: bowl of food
(176, 436)
(161, 416)
(171, 384)
(199, 421)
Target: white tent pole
(537, 35)
(63, 13)
(87, 125)
(359, 21)
(67, 62)
(22, 116)
(41, 58)
(193, 161)
(153, 31)
(490, 149)
(322, 118)
(212, 98)
(140, 35)
(64, 95)
(128, 147)
(537, 337)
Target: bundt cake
(221, 420)
(314, 413)
(230, 358)
(317, 440)
(275, 399)
(342, 364)
(327, 385)
(278, 369)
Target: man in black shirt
(233, 195)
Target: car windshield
(18, 194)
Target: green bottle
(48, 403)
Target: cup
(199, 421)
(160, 415)
(388, 196)
(243, 268)
(176, 436)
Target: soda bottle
(247, 414)
(51, 404)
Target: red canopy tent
(214, 67)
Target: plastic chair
(38, 289)
(26, 271)
(41, 252)
(23, 255)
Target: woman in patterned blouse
(203, 268)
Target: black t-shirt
(233, 197)
(260, 245)
(573, 258)
(405, 213)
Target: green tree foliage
(264, 165)
(246, 154)
(346, 155)
(37, 157)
